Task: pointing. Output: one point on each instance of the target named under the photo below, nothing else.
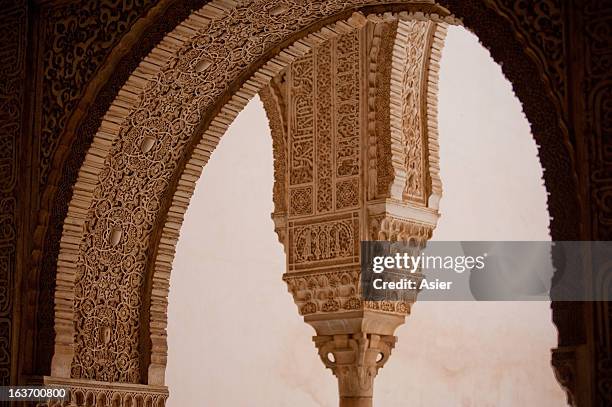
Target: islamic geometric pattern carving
(322, 94)
(324, 128)
(71, 59)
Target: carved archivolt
(414, 80)
(13, 48)
(131, 166)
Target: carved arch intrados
(127, 143)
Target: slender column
(354, 159)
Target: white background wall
(235, 337)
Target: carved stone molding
(89, 393)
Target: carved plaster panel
(85, 393)
(77, 38)
(366, 84)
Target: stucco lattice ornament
(323, 108)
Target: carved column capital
(355, 360)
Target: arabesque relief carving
(71, 60)
(334, 98)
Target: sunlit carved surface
(331, 100)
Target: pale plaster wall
(235, 337)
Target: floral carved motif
(301, 141)
(324, 135)
(411, 116)
(94, 394)
(329, 291)
(347, 97)
(319, 241)
(78, 37)
(411, 43)
(300, 201)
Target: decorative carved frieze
(325, 242)
(89, 393)
(391, 228)
(325, 291)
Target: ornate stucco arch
(140, 171)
